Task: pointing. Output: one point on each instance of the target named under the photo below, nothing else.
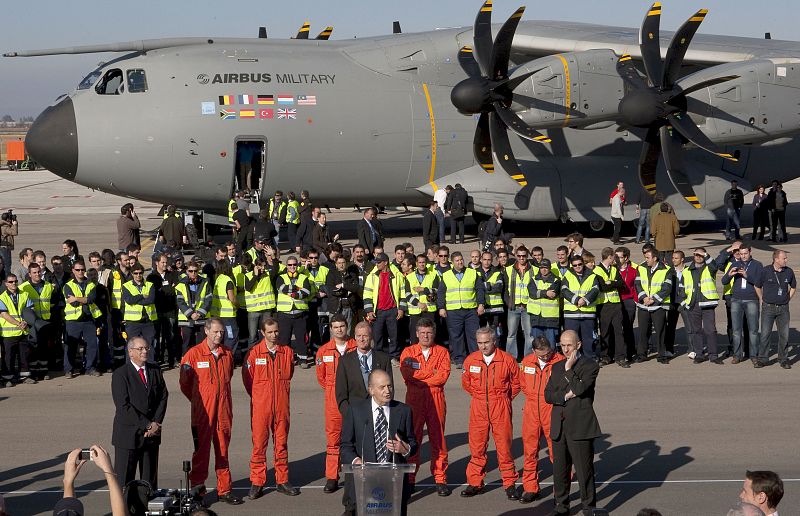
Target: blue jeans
(644, 226)
(732, 223)
(462, 325)
(779, 315)
(550, 333)
(515, 317)
(739, 309)
(584, 327)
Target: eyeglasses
(138, 273)
(11, 282)
(79, 270)
(140, 349)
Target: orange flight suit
(206, 381)
(535, 416)
(425, 381)
(327, 363)
(492, 388)
(267, 380)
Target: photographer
(71, 505)
(128, 227)
(9, 228)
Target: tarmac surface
(677, 438)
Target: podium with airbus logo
(379, 487)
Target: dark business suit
(358, 440)
(365, 237)
(573, 428)
(350, 385)
(430, 228)
(137, 405)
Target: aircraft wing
(539, 38)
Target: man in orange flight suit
(536, 370)
(491, 378)
(327, 361)
(425, 367)
(266, 374)
(206, 372)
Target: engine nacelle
(762, 104)
(576, 89)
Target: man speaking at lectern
(377, 429)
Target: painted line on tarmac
(608, 482)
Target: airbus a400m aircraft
(544, 117)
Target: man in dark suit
(430, 226)
(573, 425)
(355, 366)
(377, 429)
(370, 232)
(456, 207)
(140, 396)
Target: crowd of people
(504, 314)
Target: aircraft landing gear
(597, 225)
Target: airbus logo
(203, 78)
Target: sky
(28, 85)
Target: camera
(86, 454)
(9, 216)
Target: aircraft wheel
(597, 225)
(684, 223)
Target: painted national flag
(227, 115)
(306, 100)
(287, 114)
(245, 100)
(227, 100)
(247, 113)
(266, 100)
(266, 113)
(286, 99)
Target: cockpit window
(111, 83)
(89, 80)
(137, 81)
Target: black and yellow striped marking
(651, 189)
(691, 199)
(305, 28)
(487, 6)
(488, 167)
(466, 49)
(518, 13)
(325, 34)
(625, 57)
(727, 156)
(520, 179)
(542, 139)
(699, 15)
(655, 9)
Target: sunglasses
(577, 265)
(291, 265)
(443, 255)
(138, 273)
(79, 270)
(522, 256)
(11, 282)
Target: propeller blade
(650, 44)
(303, 32)
(467, 61)
(482, 36)
(678, 46)
(700, 85)
(629, 74)
(502, 149)
(648, 160)
(509, 85)
(482, 144)
(672, 148)
(687, 128)
(325, 34)
(501, 51)
(516, 124)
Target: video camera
(141, 499)
(9, 216)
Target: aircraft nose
(52, 140)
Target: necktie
(141, 375)
(365, 370)
(381, 433)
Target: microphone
(363, 436)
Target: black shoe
(699, 359)
(511, 493)
(638, 359)
(528, 497)
(471, 491)
(622, 363)
(256, 492)
(331, 486)
(305, 364)
(443, 490)
(605, 361)
(785, 364)
(288, 489)
(758, 364)
(718, 361)
(230, 499)
(664, 361)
